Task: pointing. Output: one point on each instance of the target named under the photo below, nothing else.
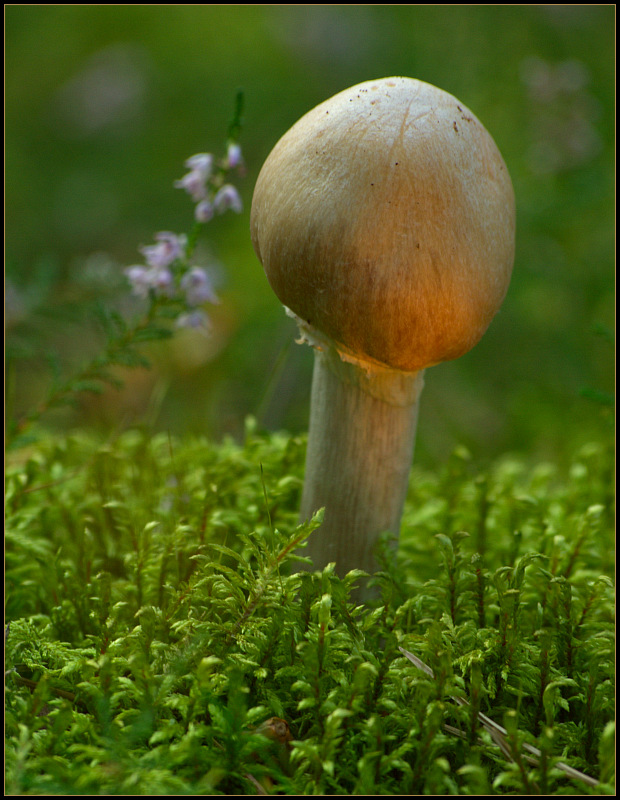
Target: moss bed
(160, 638)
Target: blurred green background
(104, 103)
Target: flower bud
(234, 157)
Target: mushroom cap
(385, 219)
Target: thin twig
(499, 734)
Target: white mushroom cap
(385, 219)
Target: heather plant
(173, 289)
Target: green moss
(157, 621)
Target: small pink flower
(169, 247)
(193, 319)
(195, 182)
(204, 211)
(163, 282)
(197, 287)
(139, 279)
(202, 163)
(227, 198)
(145, 279)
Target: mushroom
(385, 222)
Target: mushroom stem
(360, 448)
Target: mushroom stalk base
(360, 450)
